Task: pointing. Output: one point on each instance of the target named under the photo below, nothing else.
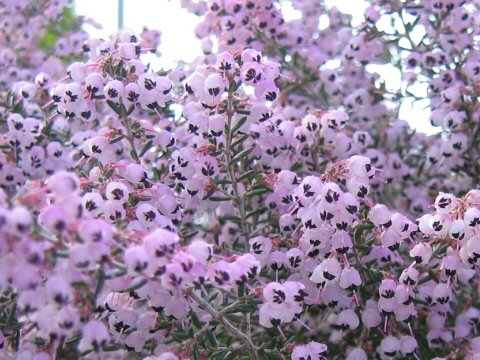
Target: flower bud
(390, 346)
(380, 215)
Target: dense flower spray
(261, 202)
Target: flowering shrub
(262, 202)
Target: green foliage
(67, 23)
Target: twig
(250, 347)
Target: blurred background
(178, 40)
(176, 24)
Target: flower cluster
(262, 202)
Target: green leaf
(179, 336)
(239, 124)
(136, 286)
(241, 290)
(11, 315)
(243, 112)
(257, 192)
(297, 166)
(244, 308)
(211, 338)
(217, 181)
(117, 139)
(242, 154)
(209, 194)
(190, 235)
(239, 141)
(213, 297)
(100, 282)
(109, 173)
(256, 212)
(248, 175)
(196, 354)
(145, 148)
(112, 274)
(219, 198)
(114, 106)
(195, 321)
(230, 218)
(134, 155)
(232, 86)
(131, 108)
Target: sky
(178, 40)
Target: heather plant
(265, 201)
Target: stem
(131, 140)
(239, 301)
(232, 329)
(314, 156)
(406, 32)
(239, 200)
